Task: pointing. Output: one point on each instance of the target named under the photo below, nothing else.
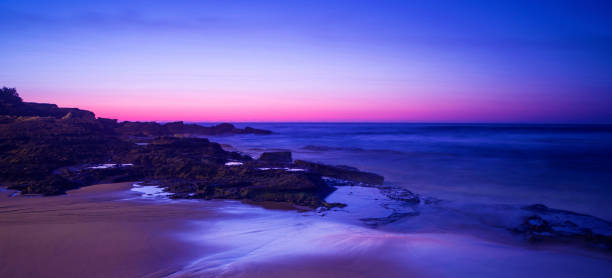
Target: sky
(364, 61)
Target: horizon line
(386, 122)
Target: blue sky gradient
(449, 61)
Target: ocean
(562, 166)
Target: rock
(340, 172)
(251, 130)
(31, 148)
(275, 157)
(300, 188)
(536, 224)
(223, 128)
(47, 150)
(401, 194)
(48, 186)
(78, 114)
(11, 104)
(547, 224)
(154, 129)
(83, 176)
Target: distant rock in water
(249, 129)
(153, 129)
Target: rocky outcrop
(275, 157)
(341, 172)
(48, 150)
(32, 109)
(245, 183)
(12, 105)
(47, 155)
(31, 148)
(251, 130)
(153, 129)
(184, 158)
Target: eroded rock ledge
(48, 150)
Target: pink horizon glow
(127, 106)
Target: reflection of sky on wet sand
(268, 243)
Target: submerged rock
(401, 194)
(547, 224)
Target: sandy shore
(91, 232)
(109, 231)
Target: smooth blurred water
(562, 166)
(441, 239)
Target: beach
(92, 232)
(110, 230)
(456, 201)
(308, 139)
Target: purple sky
(415, 61)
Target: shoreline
(108, 230)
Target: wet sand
(92, 232)
(109, 231)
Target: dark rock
(251, 130)
(275, 157)
(154, 129)
(401, 194)
(547, 224)
(47, 185)
(11, 104)
(300, 188)
(47, 150)
(223, 128)
(31, 148)
(83, 176)
(340, 172)
(536, 224)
